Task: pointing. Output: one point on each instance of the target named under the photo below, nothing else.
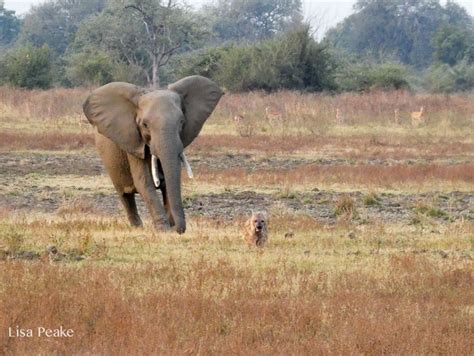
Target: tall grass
(301, 112)
(213, 307)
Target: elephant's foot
(161, 226)
(128, 201)
(135, 221)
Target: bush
(205, 62)
(365, 76)
(442, 78)
(292, 61)
(90, 69)
(28, 67)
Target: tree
(452, 44)
(253, 19)
(9, 26)
(28, 67)
(366, 76)
(155, 31)
(90, 69)
(293, 60)
(447, 79)
(55, 22)
(401, 29)
(166, 28)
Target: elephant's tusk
(154, 170)
(187, 166)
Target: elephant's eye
(145, 125)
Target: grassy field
(371, 231)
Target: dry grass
(207, 293)
(315, 112)
(361, 175)
(355, 146)
(344, 286)
(42, 105)
(45, 141)
(418, 309)
(300, 113)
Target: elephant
(141, 136)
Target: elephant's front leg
(143, 182)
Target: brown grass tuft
(345, 206)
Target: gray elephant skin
(141, 137)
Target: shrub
(345, 207)
(90, 69)
(366, 76)
(292, 61)
(371, 199)
(442, 78)
(205, 62)
(28, 67)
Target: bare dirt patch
(24, 170)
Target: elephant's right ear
(112, 108)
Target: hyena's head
(259, 221)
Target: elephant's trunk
(169, 156)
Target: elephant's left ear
(199, 97)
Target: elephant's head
(164, 120)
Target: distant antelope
(273, 114)
(396, 116)
(339, 116)
(417, 117)
(243, 126)
(239, 119)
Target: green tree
(253, 19)
(9, 26)
(452, 44)
(444, 78)
(293, 60)
(144, 34)
(90, 69)
(401, 29)
(28, 67)
(365, 76)
(55, 22)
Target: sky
(323, 14)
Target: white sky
(323, 14)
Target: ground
(371, 231)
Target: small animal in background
(273, 114)
(256, 229)
(243, 126)
(339, 117)
(417, 117)
(396, 116)
(239, 120)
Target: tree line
(242, 44)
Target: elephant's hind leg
(128, 201)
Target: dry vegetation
(347, 283)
